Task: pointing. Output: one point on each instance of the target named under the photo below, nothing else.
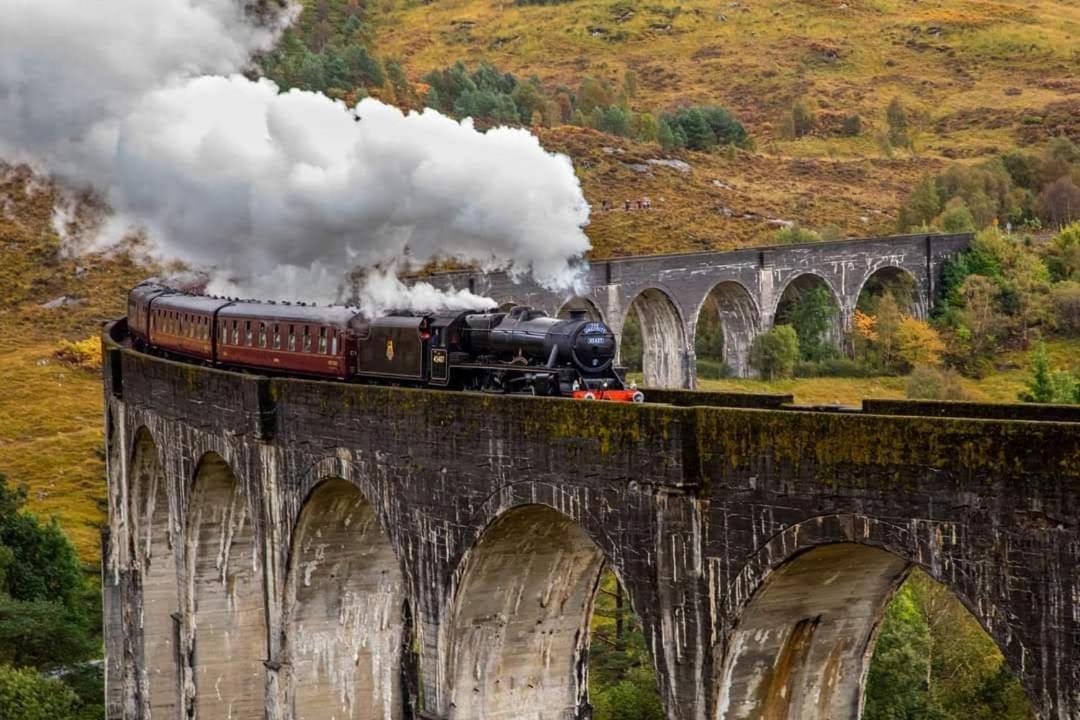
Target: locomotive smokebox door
(440, 367)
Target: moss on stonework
(891, 451)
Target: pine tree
(665, 136)
(699, 136)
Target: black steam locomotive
(520, 351)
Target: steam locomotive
(520, 351)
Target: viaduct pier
(283, 549)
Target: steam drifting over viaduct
(668, 292)
(288, 549)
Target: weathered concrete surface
(520, 625)
(668, 292)
(803, 645)
(713, 517)
(343, 610)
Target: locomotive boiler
(520, 351)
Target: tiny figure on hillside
(626, 206)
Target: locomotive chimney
(578, 315)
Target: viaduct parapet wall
(284, 549)
(745, 287)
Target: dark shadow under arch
(343, 610)
(577, 303)
(519, 637)
(729, 306)
(898, 281)
(227, 632)
(794, 294)
(154, 555)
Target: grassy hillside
(51, 413)
(977, 78)
(983, 72)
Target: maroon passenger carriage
(520, 351)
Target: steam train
(520, 351)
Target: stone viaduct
(746, 287)
(284, 549)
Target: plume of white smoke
(278, 194)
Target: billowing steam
(277, 194)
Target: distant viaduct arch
(668, 292)
(313, 550)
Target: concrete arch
(592, 312)
(802, 283)
(665, 361)
(343, 610)
(895, 275)
(740, 319)
(155, 557)
(227, 628)
(520, 626)
(809, 605)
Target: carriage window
(322, 340)
(235, 332)
(247, 332)
(307, 339)
(277, 336)
(262, 334)
(292, 338)
(333, 343)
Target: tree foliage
(46, 611)
(933, 660)
(622, 682)
(26, 694)
(775, 352)
(1047, 385)
(813, 314)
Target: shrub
(666, 136)
(1059, 202)
(711, 369)
(774, 353)
(803, 119)
(918, 344)
(835, 367)
(921, 206)
(899, 127)
(1063, 254)
(1066, 297)
(932, 383)
(794, 234)
(852, 126)
(85, 354)
(956, 217)
(1047, 385)
(28, 695)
